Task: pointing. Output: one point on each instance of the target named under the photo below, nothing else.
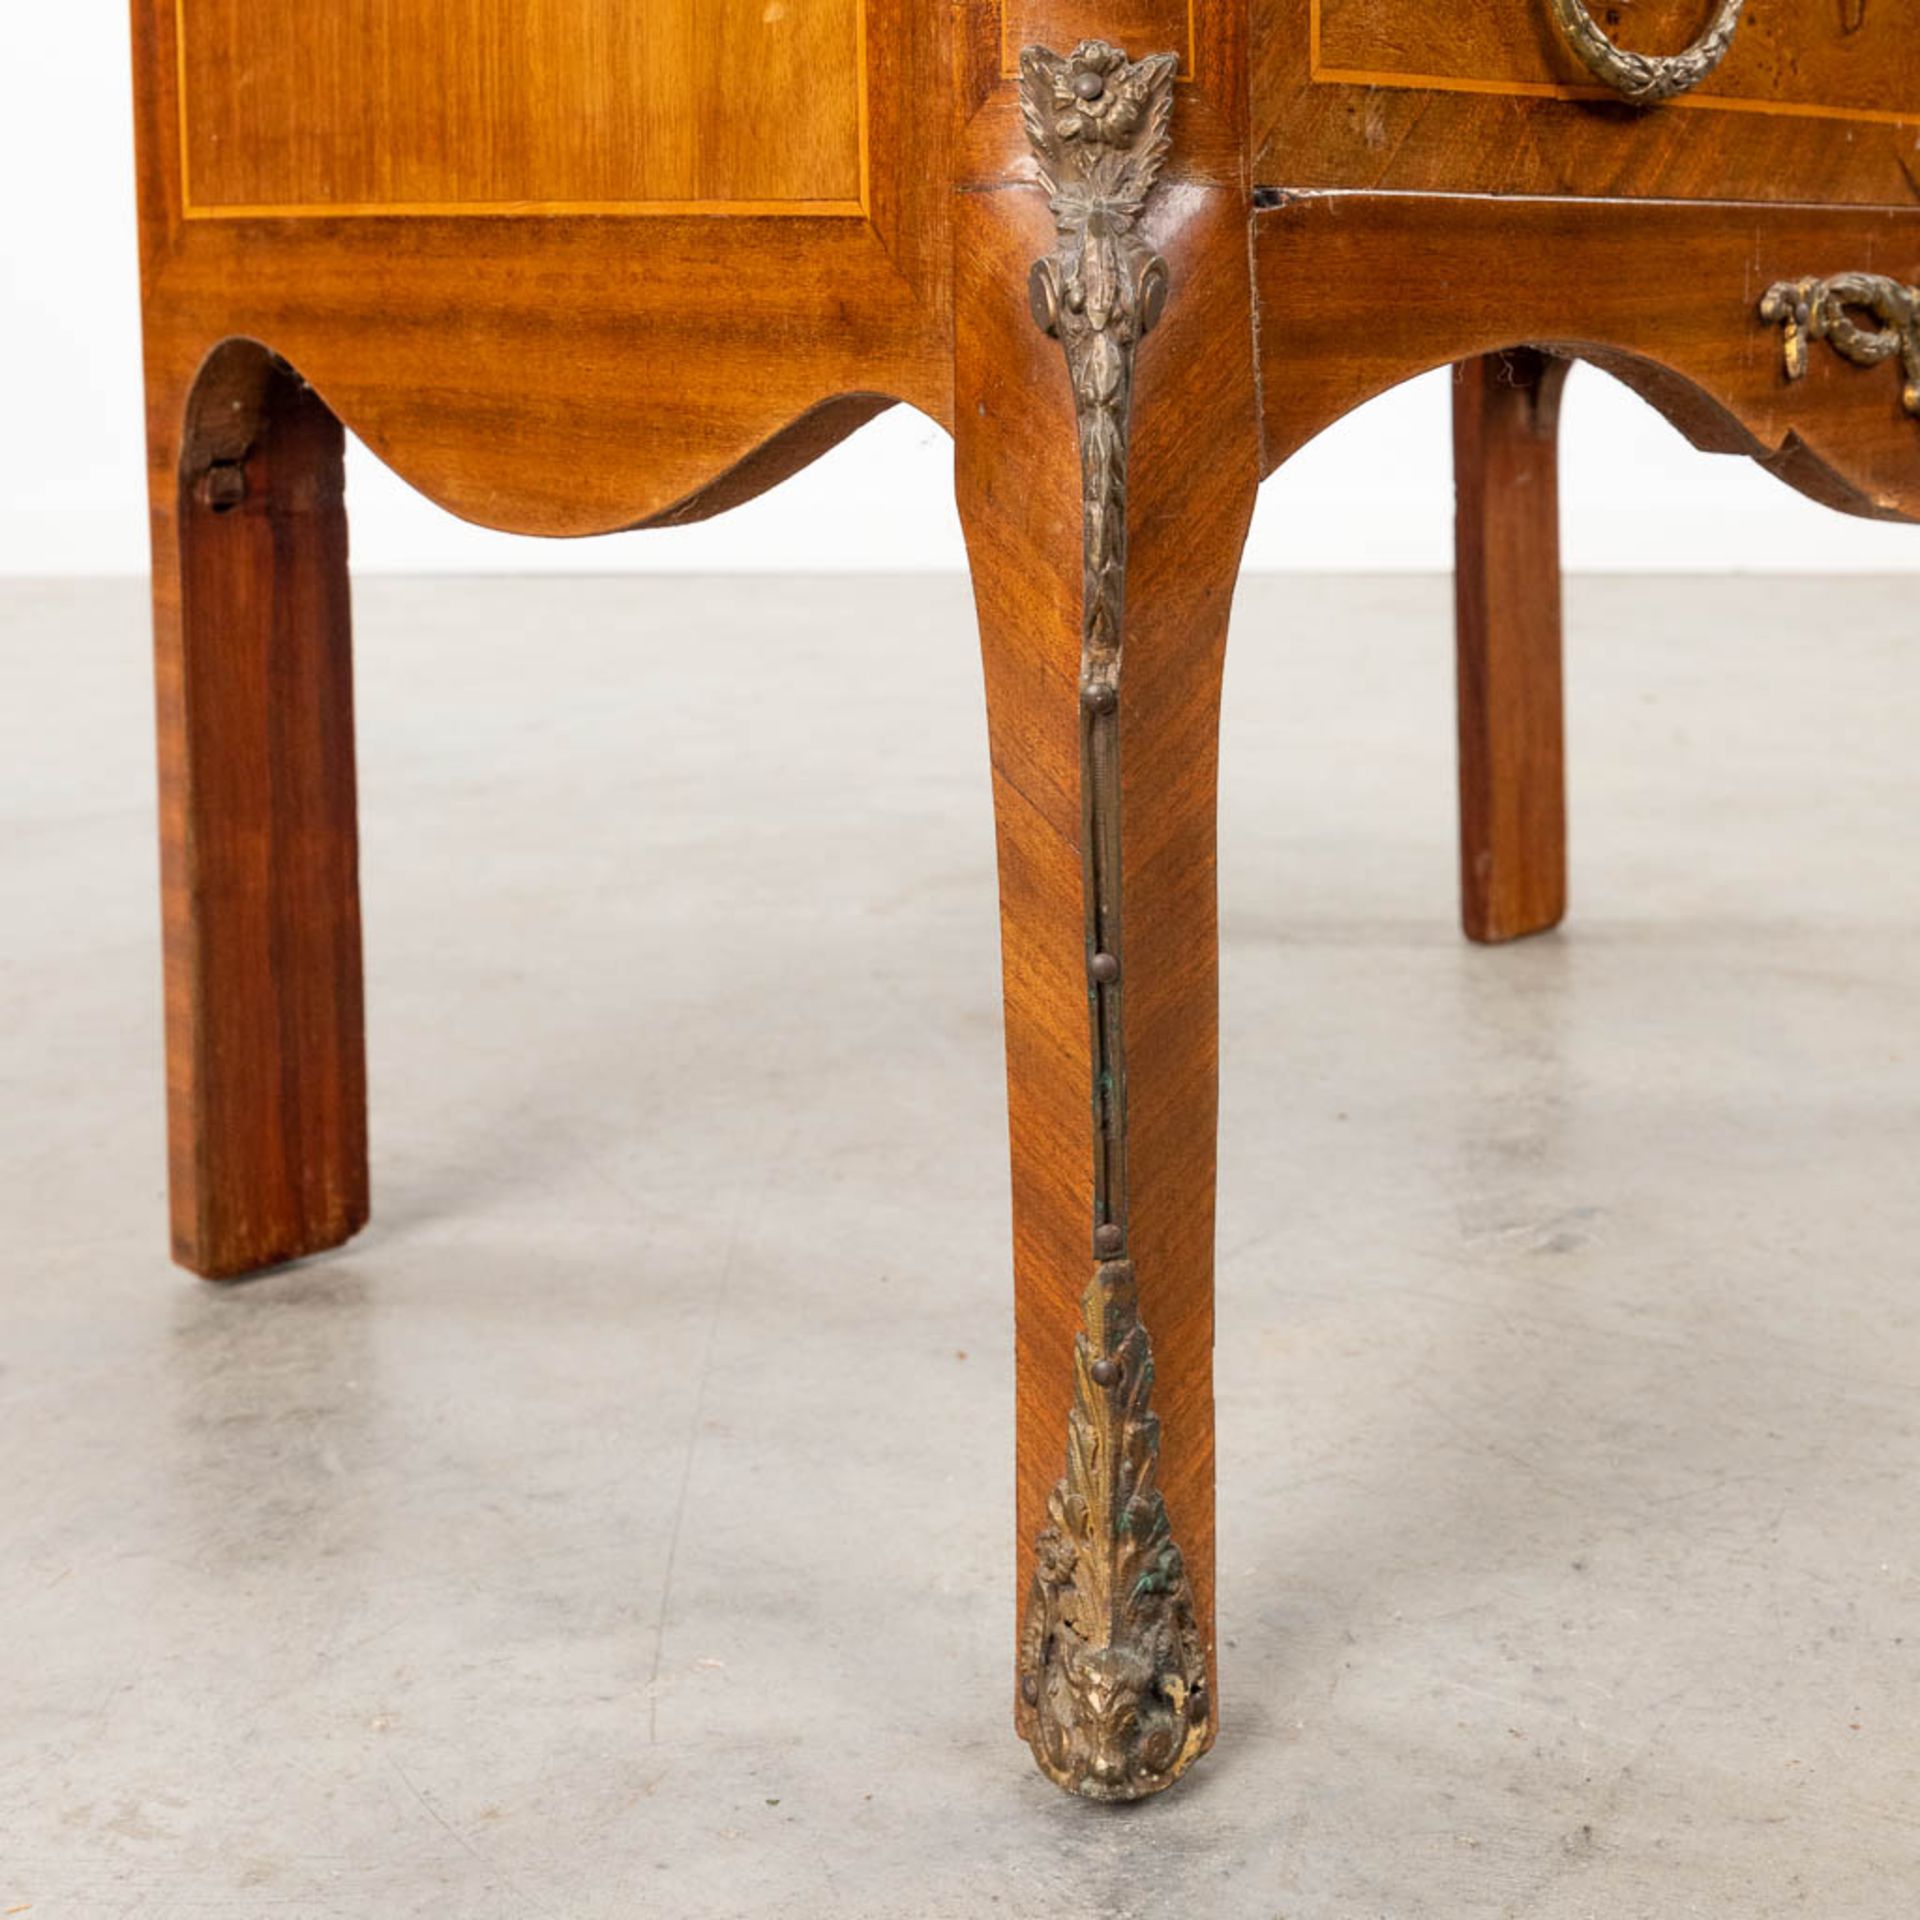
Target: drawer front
(1814, 100)
(1844, 58)
(480, 105)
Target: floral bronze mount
(1113, 1673)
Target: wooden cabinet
(578, 265)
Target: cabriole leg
(1106, 480)
(266, 1077)
(1513, 806)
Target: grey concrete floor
(623, 1526)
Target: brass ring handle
(1646, 79)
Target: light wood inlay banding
(547, 106)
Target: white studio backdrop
(1375, 492)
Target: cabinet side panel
(478, 104)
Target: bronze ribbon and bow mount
(1813, 309)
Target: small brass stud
(1106, 1373)
(1108, 1240)
(1105, 968)
(1153, 294)
(1043, 297)
(1100, 698)
(1089, 85)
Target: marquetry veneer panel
(470, 105)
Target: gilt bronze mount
(1823, 310)
(1644, 79)
(1113, 1674)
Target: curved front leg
(1106, 479)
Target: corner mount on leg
(1113, 1681)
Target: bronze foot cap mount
(1113, 1675)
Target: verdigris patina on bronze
(1113, 1677)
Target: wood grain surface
(1360, 292)
(1513, 787)
(1813, 56)
(1140, 26)
(266, 1069)
(484, 104)
(1410, 97)
(573, 374)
